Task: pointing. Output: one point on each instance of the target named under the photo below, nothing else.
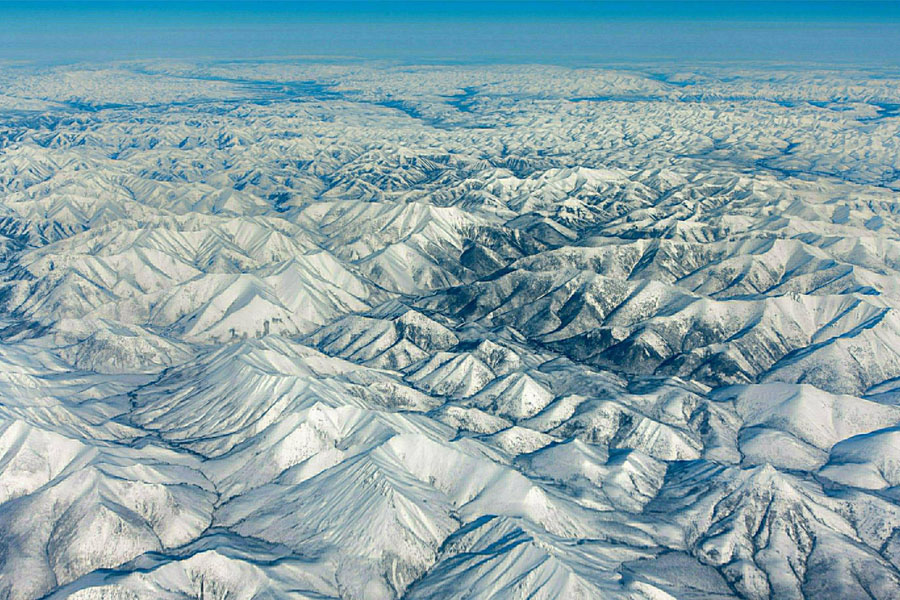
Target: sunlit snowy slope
(309, 330)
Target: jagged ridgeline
(308, 330)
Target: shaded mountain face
(308, 330)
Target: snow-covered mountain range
(364, 331)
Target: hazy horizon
(553, 32)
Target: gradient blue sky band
(455, 31)
(457, 10)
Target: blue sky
(456, 31)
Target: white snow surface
(347, 330)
